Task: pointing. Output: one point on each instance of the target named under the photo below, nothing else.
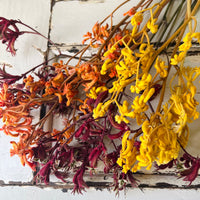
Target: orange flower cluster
(17, 122)
(99, 34)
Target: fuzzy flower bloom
(152, 26)
(137, 19)
(141, 84)
(157, 144)
(128, 154)
(161, 68)
(9, 32)
(106, 98)
(95, 91)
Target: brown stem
(68, 78)
(181, 30)
(38, 33)
(110, 36)
(72, 57)
(85, 49)
(115, 11)
(115, 28)
(24, 74)
(42, 121)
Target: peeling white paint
(70, 20)
(35, 193)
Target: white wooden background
(65, 21)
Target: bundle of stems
(113, 104)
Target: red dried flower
(9, 32)
(192, 164)
(79, 183)
(44, 173)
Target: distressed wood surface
(29, 193)
(65, 22)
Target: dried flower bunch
(112, 104)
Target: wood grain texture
(70, 20)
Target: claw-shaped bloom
(139, 103)
(152, 26)
(161, 67)
(141, 84)
(101, 109)
(95, 91)
(137, 19)
(128, 153)
(9, 32)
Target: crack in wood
(74, 48)
(97, 185)
(52, 2)
(104, 181)
(100, 182)
(43, 107)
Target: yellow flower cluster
(127, 67)
(101, 109)
(124, 110)
(162, 133)
(95, 91)
(158, 143)
(161, 67)
(183, 105)
(108, 64)
(141, 84)
(165, 130)
(152, 26)
(146, 54)
(128, 153)
(139, 106)
(137, 19)
(187, 43)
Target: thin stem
(72, 57)
(110, 36)
(183, 26)
(182, 30)
(151, 107)
(85, 49)
(178, 11)
(192, 157)
(24, 74)
(147, 4)
(115, 28)
(38, 33)
(189, 14)
(115, 10)
(113, 143)
(43, 120)
(156, 13)
(46, 116)
(173, 18)
(68, 78)
(165, 80)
